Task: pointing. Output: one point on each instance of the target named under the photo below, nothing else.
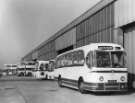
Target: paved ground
(49, 92)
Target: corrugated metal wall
(35, 55)
(28, 57)
(66, 40)
(124, 12)
(129, 44)
(97, 28)
(47, 51)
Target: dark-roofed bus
(97, 67)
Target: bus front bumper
(103, 87)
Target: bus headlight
(101, 78)
(122, 78)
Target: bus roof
(94, 46)
(21, 66)
(41, 61)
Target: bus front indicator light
(122, 78)
(101, 78)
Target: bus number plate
(112, 81)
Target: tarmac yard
(37, 91)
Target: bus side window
(41, 67)
(69, 59)
(46, 66)
(75, 58)
(89, 59)
(58, 62)
(78, 58)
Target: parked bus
(21, 70)
(97, 67)
(41, 66)
(26, 68)
(29, 68)
(49, 72)
(11, 69)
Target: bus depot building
(109, 21)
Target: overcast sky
(24, 24)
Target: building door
(129, 44)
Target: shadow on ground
(129, 92)
(11, 95)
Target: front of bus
(38, 71)
(109, 72)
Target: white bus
(11, 69)
(29, 68)
(49, 72)
(26, 69)
(21, 70)
(97, 67)
(41, 66)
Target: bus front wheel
(81, 86)
(60, 81)
(46, 77)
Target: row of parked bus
(37, 69)
(94, 67)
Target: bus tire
(59, 81)
(81, 85)
(46, 77)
